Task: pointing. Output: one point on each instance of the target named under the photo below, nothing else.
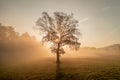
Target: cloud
(114, 30)
(83, 20)
(106, 8)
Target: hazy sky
(99, 20)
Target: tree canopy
(60, 30)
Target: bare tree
(59, 30)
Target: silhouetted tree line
(9, 38)
(8, 34)
(14, 45)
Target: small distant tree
(59, 30)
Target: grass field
(102, 68)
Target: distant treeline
(10, 39)
(14, 46)
(9, 35)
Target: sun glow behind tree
(59, 31)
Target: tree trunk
(58, 58)
(57, 54)
(58, 72)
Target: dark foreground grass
(69, 69)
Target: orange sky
(99, 20)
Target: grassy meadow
(102, 68)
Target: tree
(7, 33)
(59, 30)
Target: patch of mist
(82, 54)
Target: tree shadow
(63, 75)
(59, 74)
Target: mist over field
(33, 62)
(22, 57)
(24, 48)
(21, 52)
